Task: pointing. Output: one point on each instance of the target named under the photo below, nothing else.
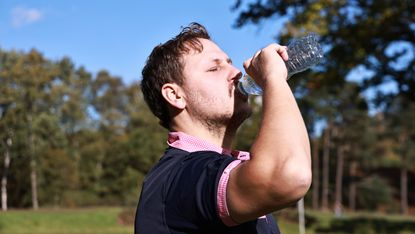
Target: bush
(369, 224)
(370, 186)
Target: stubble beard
(214, 122)
(218, 123)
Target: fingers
(284, 54)
(281, 50)
(248, 62)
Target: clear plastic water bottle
(303, 53)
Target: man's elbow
(295, 186)
(302, 184)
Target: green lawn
(80, 221)
(108, 221)
(359, 222)
(63, 221)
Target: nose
(236, 74)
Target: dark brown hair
(165, 65)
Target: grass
(318, 222)
(82, 221)
(288, 222)
(107, 220)
(63, 221)
(287, 227)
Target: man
(200, 185)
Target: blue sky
(119, 35)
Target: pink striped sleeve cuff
(221, 195)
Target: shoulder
(207, 161)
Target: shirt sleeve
(196, 195)
(221, 194)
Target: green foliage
(247, 132)
(370, 186)
(58, 175)
(371, 42)
(89, 140)
(355, 33)
(369, 224)
(326, 222)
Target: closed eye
(218, 63)
(213, 69)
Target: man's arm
(279, 172)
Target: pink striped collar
(183, 141)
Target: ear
(173, 94)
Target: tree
(77, 94)
(6, 124)
(401, 126)
(6, 143)
(34, 88)
(77, 139)
(316, 172)
(377, 37)
(247, 132)
(26, 75)
(143, 130)
(56, 169)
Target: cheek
(203, 93)
(210, 94)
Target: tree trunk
(33, 181)
(352, 187)
(326, 155)
(339, 182)
(404, 176)
(33, 166)
(7, 146)
(404, 190)
(316, 175)
(301, 216)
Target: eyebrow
(218, 61)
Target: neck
(220, 136)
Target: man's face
(210, 82)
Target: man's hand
(267, 64)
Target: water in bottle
(303, 53)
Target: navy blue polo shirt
(180, 195)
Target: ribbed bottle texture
(303, 53)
